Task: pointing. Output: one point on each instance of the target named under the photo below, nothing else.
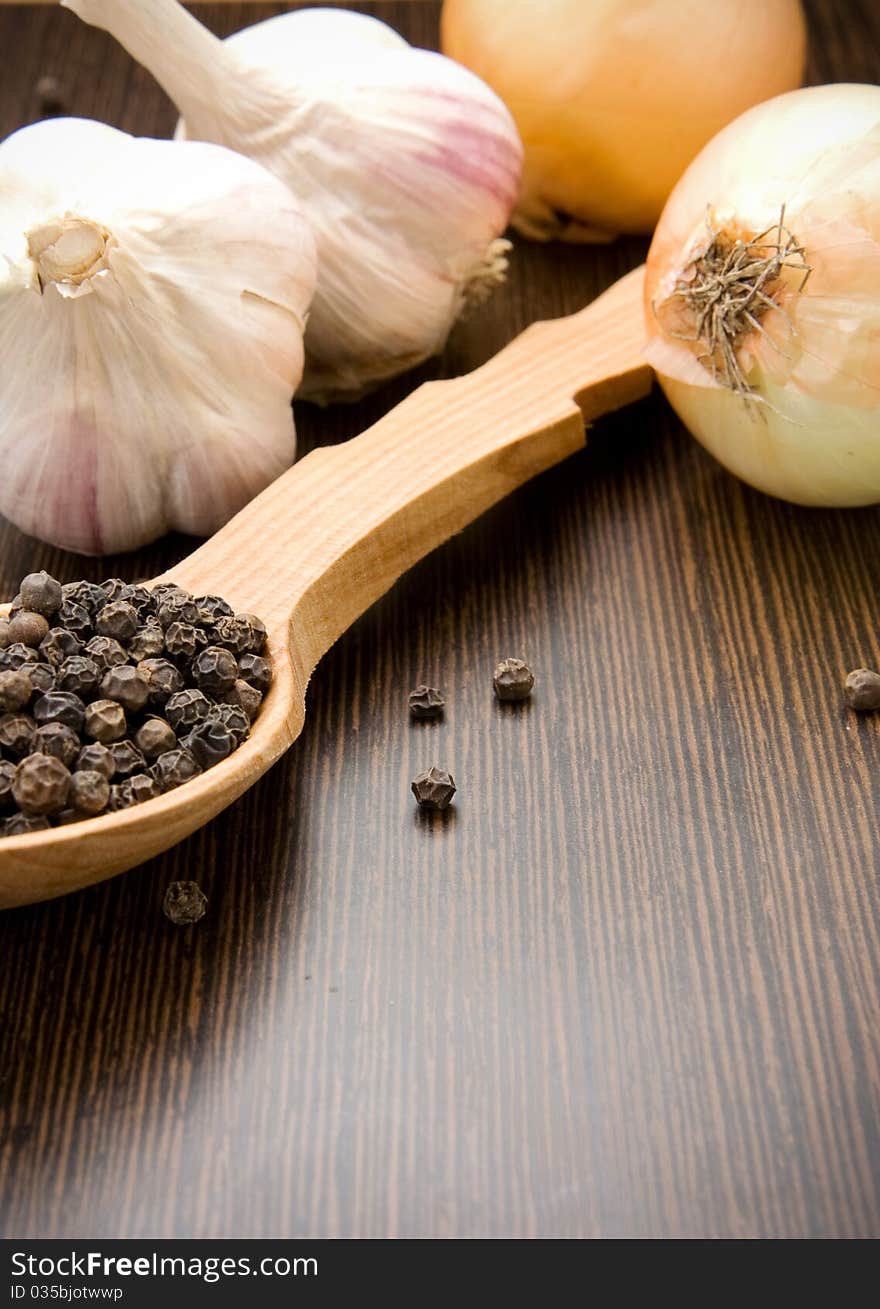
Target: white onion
(796, 413)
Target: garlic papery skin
(786, 393)
(406, 163)
(153, 299)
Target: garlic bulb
(406, 163)
(152, 307)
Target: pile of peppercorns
(112, 694)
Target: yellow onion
(614, 98)
(763, 296)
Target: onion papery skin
(809, 428)
(614, 98)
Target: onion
(613, 98)
(763, 296)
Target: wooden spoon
(330, 536)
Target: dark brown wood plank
(628, 987)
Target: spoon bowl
(329, 537)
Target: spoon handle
(330, 536)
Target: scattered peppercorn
(16, 689)
(513, 680)
(184, 903)
(425, 702)
(99, 682)
(862, 690)
(433, 789)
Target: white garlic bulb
(153, 299)
(406, 163)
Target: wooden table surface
(629, 987)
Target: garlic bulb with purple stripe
(407, 165)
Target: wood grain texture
(344, 524)
(627, 987)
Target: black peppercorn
(16, 689)
(141, 786)
(125, 685)
(175, 768)
(155, 737)
(57, 740)
(178, 608)
(147, 642)
(105, 721)
(139, 598)
(120, 797)
(127, 758)
(234, 718)
(162, 679)
(4, 633)
(113, 587)
(212, 607)
(28, 628)
(256, 671)
(162, 592)
(433, 789)
(21, 824)
(88, 594)
(106, 652)
(42, 677)
(59, 645)
(209, 742)
(118, 619)
(245, 697)
(60, 707)
(184, 903)
(17, 655)
(214, 670)
(41, 593)
(40, 785)
(235, 634)
(513, 680)
(89, 792)
(186, 708)
(862, 690)
(425, 702)
(96, 758)
(17, 734)
(183, 641)
(78, 674)
(7, 774)
(74, 618)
